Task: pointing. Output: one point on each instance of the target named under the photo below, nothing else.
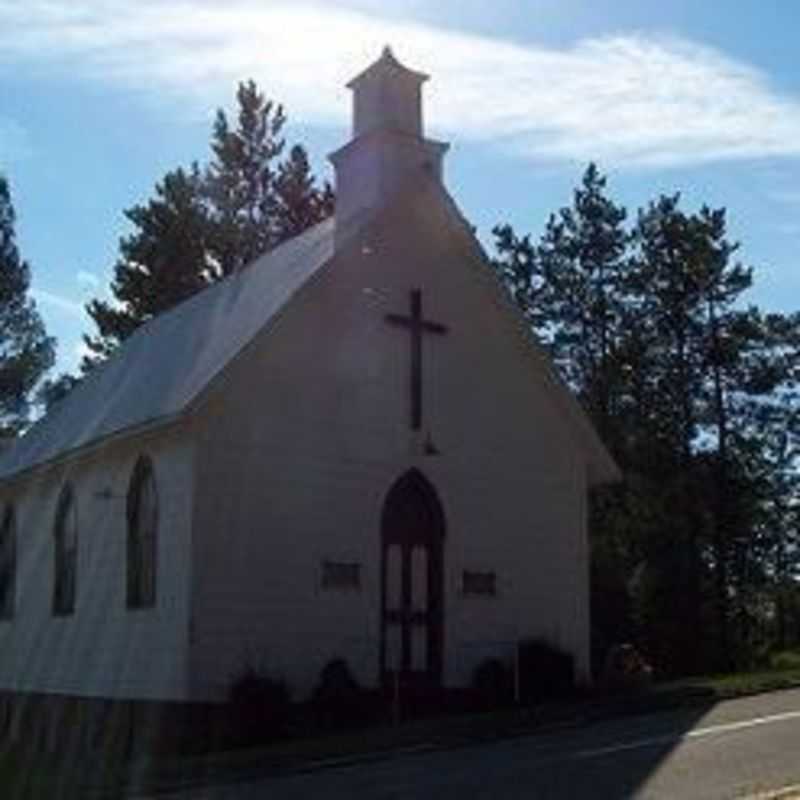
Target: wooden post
(394, 660)
(396, 698)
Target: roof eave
(87, 449)
(601, 466)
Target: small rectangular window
(341, 575)
(479, 583)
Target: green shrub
(338, 700)
(493, 684)
(260, 707)
(785, 660)
(545, 671)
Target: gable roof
(166, 363)
(601, 465)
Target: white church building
(352, 448)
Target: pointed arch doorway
(412, 577)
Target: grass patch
(782, 672)
(754, 683)
(788, 660)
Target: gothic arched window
(142, 535)
(8, 563)
(66, 554)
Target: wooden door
(412, 613)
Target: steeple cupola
(387, 96)
(388, 146)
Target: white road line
(674, 738)
(784, 793)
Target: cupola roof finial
(388, 145)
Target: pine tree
(26, 352)
(519, 270)
(256, 199)
(582, 257)
(240, 180)
(666, 314)
(722, 345)
(696, 396)
(206, 223)
(572, 287)
(710, 366)
(569, 286)
(162, 263)
(53, 390)
(666, 317)
(298, 203)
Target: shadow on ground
(587, 750)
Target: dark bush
(260, 707)
(493, 684)
(338, 700)
(545, 671)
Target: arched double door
(412, 592)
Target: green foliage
(205, 223)
(298, 203)
(165, 261)
(545, 671)
(26, 352)
(339, 702)
(785, 660)
(240, 179)
(260, 707)
(493, 684)
(54, 390)
(695, 395)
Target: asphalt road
(733, 749)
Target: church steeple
(388, 96)
(388, 147)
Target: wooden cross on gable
(417, 326)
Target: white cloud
(59, 302)
(628, 99)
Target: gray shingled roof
(166, 363)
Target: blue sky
(98, 98)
